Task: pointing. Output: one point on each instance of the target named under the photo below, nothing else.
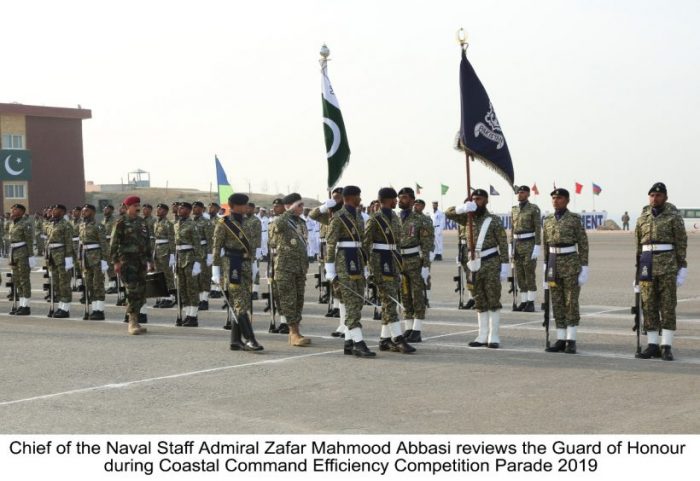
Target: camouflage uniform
(189, 250)
(39, 235)
(60, 233)
(564, 231)
(94, 249)
(164, 242)
(206, 231)
(462, 251)
(130, 245)
(256, 243)
(290, 238)
(658, 287)
(238, 248)
(324, 219)
(272, 252)
(527, 222)
(20, 231)
(151, 224)
(417, 238)
(108, 224)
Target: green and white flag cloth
(337, 147)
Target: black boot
(666, 353)
(519, 307)
(23, 311)
(402, 346)
(407, 333)
(336, 312)
(529, 306)
(61, 314)
(203, 305)
(386, 344)
(347, 347)
(13, 311)
(273, 329)
(360, 349)
(250, 343)
(414, 337)
(283, 328)
(191, 321)
(329, 313)
(254, 296)
(377, 316)
(470, 304)
(157, 304)
(143, 318)
(178, 321)
(236, 343)
(166, 304)
(97, 316)
(558, 346)
(570, 347)
(652, 351)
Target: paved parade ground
(75, 376)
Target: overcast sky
(587, 91)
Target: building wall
(12, 124)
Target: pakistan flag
(337, 147)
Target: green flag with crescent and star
(15, 165)
(337, 147)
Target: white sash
(475, 264)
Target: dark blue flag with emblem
(480, 133)
(493, 191)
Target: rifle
(51, 286)
(270, 295)
(459, 279)
(178, 320)
(13, 292)
(86, 291)
(426, 286)
(637, 310)
(121, 292)
(545, 309)
(513, 279)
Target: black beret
(78, 207)
(658, 187)
(523, 188)
(291, 198)
(147, 205)
(351, 190)
(163, 206)
(420, 201)
(277, 201)
(198, 203)
(337, 190)
(19, 206)
(213, 204)
(251, 204)
(186, 205)
(387, 193)
(561, 192)
(89, 206)
(480, 193)
(238, 199)
(408, 191)
(59, 206)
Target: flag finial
(325, 51)
(463, 38)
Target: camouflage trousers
(487, 286)
(40, 246)
(239, 294)
(20, 276)
(386, 289)
(290, 286)
(162, 265)
(61, 277)
(525, 267)
(353, 301)
(94, 283)
(133, 276)
(412, 295)
(564, 297)
(205, 278)
(659, 302)
(188, 286)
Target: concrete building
(41, 156)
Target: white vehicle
(691, 219)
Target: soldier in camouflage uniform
(206, 231)
(381, 239)
(76, 273)
(232, 235)
(290, 239)
(277, 210)
(416, 245)
(662, 243)
(256, 240)
(322, 214)
(213, 209)
(150, 220)
(345, 264)
(189, 258)
(39, 233)
(164, 253)
(566, 268)
(463, 256)
(489, 268)
(59, 243)
(419, 208)
(108, 224)
(21, 236)
(130, 251)
(94, 252)
(526, 238)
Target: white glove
(328, 204)
(258, 253)
(682, 274)
(635, 286)
(216, 274)
(366, 272)
(535, 252)
(545, 284)
(32, 262)
(171, 261)
(104, 266)
(583, 276)
(469, 206)
(510, 251)
(210, 259)
(431, 256)
(505, 270)
(196, 269)
(330, 270)
(424, 273)
(69, 263)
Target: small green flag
(443, 189)
(418, 188)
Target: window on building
(12, 141)
(14, 191)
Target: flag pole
(462, 38)
(325, 52)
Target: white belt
(657, 247)
(184, 247)
(527, 235)
(410, 250)
(42, 236)
(348, 244)
(487, 252)
(108, 237)
(76, 239)
(383, 247)
(161, 241)
(462, 242)
(203, 243)
(55, 245)
(15, 245)
(562, 250)
(323, 241)
(91, 246)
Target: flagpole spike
(325, 53)
(463, 38)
